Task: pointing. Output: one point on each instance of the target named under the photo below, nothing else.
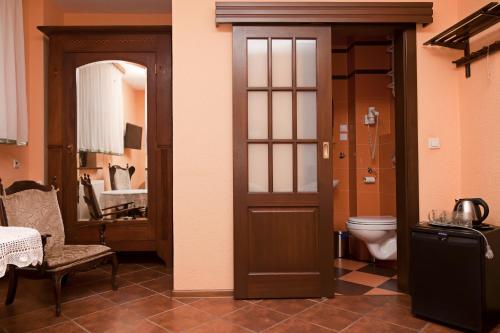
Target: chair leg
(114, 271)
(11, 293)
(56, 280)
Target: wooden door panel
(290, 235)
(282, 217)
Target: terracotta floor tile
(378, 270)
(186, 300)
(75, 292)
(182, 318)
(127, 294)
(328, 316)
(152, 305)
(349, 288)
(349, 264)
(366, 279)
(379, 291)
(124, 268)
(142, 326)
(435, 328)
(295, 325)
(219, 326)
(219, 306)
(160, 285)
(142, 275)
(160, 268)
(358, 304)
(365, 325)
(105, 285)
(84, 306)
(403, 300)
(31, 321)
(397, 314)
(87, 277)
(66, 327)
(287, 306)
(255, 317)
(109, 319)
(391, 284)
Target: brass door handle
(326, 150)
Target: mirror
(111, 141)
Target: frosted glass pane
(282, 62)
(282, 114)
(257, 115)
(257, 62)
(282, 168)
(306, 115)
(307, 169)
(258, 168)
(306, 63)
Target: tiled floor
(361, 278)
(142, 304)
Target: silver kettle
(469, 208)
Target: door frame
(150, 46)
(404, 17)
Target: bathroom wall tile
(367, 188)
(340, 90)
(340, 219)
(364, 159)
(387, 181)
(386, 152)
(342, 174)
(368, 204)
(339, 63)
(341, 200)
(372, 57)
(372, 86)
(388, 204)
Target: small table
(117, 197)
(20, 247)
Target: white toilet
(378, 233)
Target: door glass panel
(258, 168)
(306, 115)
(282, 62)
(283, 168)
(307, 169)
(257, 115)
(282, 114)
(257, 62)
(306, 62)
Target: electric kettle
(469, 209)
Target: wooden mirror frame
(151, 46)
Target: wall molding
(323, 12)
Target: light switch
(343, 128)
(343, 136)
(434, 143)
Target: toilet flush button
(434, 143)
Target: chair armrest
(120, 205)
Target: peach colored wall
(117, 19)
(480, 119)
(202, 97)
(32, 156)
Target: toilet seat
(372, 223)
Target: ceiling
(134, 75)
(115, 6)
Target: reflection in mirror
(111, 140)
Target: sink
(336, 183)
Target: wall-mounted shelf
(458, 35)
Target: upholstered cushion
(38, 210)
(122, 179)
(69, 254)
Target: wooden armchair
(120, 177)
(100, 214)
(29, 204)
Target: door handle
(69, 148)
(326, 150)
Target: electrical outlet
(16, 164)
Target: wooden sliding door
(282, 167)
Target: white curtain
(13, 105)
(100, 109)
